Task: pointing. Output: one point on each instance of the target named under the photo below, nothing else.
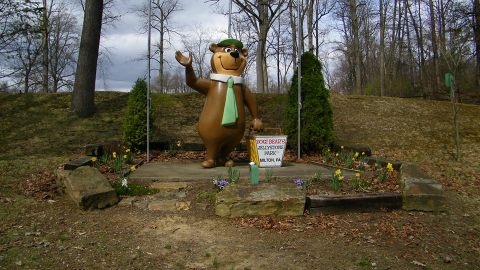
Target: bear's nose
(235, 54)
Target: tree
(316, 120)
(162, 12)
(261, 14)
(198, 44)
(476, 28)
(135, 123)
(83, 98)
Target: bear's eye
(236, 50)
(227, 49)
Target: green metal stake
(450, 83)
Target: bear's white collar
(224, 78)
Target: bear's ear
(213, 47)
(245, 52)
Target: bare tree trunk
(83, 98)
(279, 83)
(261, 47)
(357, 89)
(161, 52)
(436, 81)
(477, 39)
(310, 4)
(45, 48)
(293, 26)
(382, 50)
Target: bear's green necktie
(230, 113)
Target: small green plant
(356, 182)
(348, 159)
(364, 263)
(105, 158)
(385, 172)
(215, 263)
(316, 178)
(325, 154)
(337, 177)
(117, 163)
(233, 174)
(268, 175)
(363, 161)
(125, 189)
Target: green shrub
(316, 116)
(135, 124)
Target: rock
(90, 189)
(60, 176)
(73, 164)
(169, 186)
(281, 199)
(420, 192)
(184, 206)
(383, 162)
(127, 201)
(94, 150)
(447, 259)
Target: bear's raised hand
(184, 61)
(256, 124)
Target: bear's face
(228, 60)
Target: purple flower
(299, 182)
(220, 183)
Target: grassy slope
(39, 128)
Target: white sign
(270, 150)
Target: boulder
(89, 189)
(73, 164)
(279, 199)
(420, 192)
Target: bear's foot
(208, 164)
(229, 163)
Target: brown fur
(220, 140)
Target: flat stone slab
(169, 186)
(192, 171)
(73, 164)
(354, 202)
(89, 189)
(420, 192)
(279, 199)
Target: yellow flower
(340, 178)
(125, 156)
(128, 150)
(341, 146)
(93, 159)
(363, 153)
(114, 154)
(357, 175)
(356, 155)
(390, 167)
(336, 154)
(133, 168)
(338, 172)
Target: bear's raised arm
(201, 85)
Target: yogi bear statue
(222, 122)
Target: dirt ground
(52, 233)
(56, 234)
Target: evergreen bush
(135, 123)
(316, 115)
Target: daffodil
(356, 155)
(390, 167)
(93, 159)
(125, 156)
(128, 150)
(336, 154)
(357, 175)
(338, 172)
(133, 168)
(114, 154)
(340, 178)
(341, 146)
(363, 153)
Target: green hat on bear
(229, 42)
